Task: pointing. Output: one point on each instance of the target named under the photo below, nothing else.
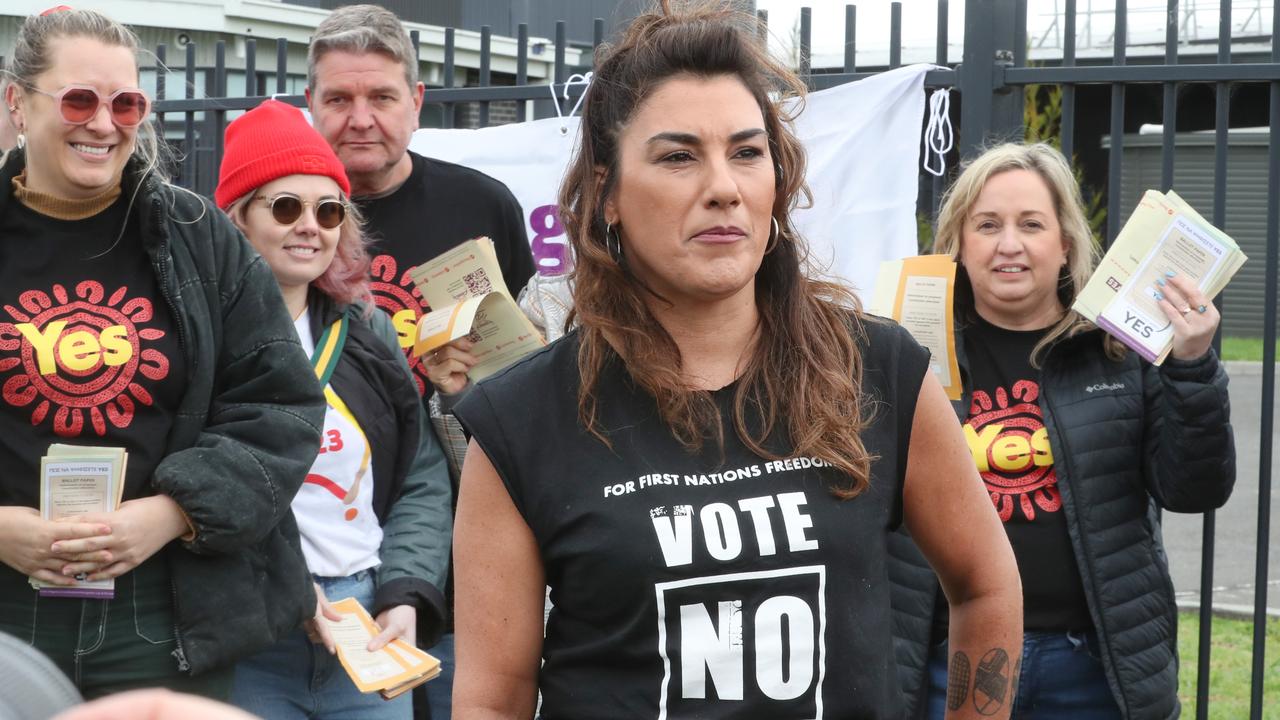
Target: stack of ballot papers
(1163, 236)
(391, 671)
(468, 298)
(76, 480)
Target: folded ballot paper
(1163, 235)
(468, 298)
(75, 480)
(918, 293)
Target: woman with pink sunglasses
(134, 315)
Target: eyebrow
(691, 139)
(991, 213)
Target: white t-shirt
(334, 507)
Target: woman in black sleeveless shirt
(706, 471)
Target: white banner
(863, 143)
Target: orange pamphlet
(395, 669)
(919, 293)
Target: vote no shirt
(1009, 442)
(691, 585)
(89, 354)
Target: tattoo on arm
(991, 682)
(958, 681)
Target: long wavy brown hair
(803, 375)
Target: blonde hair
(1082, 252)
(33, 56)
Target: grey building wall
(1246, 211)
(505, 16)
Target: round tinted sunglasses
(79, 103)
(287, 208)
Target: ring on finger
(1202, 309)
(1185, 310)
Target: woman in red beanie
(134, 315)
(374, 513)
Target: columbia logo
(1104, 386)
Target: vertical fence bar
(561, 43)
(1268, 391)
(1169, 117)
(895, 35)
(1114, 210)
(935, 184)
(189, 126)
(486, 40)
(250, 67)
(806, 37)
(446, 115)
(943, 32)
(850, 39)
(1068, 132)
(282, 65)
(1020, 34)
(522, 67)
(597, 33)
(218, 122)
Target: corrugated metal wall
(1246, 214)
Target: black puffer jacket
(245, 432)
(1127, 437)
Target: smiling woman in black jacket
(133, 314)
(1078, 442)
(375, 511)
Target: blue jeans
(1061, 679)
(298, 679)
(440, 690)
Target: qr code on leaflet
(474, 336)
(477, 283)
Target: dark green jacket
(411, 489)
(245, 432)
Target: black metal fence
(990, 78)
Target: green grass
(1244, 348)
(1231, 667)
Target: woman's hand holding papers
(447, 366)
(316, 628)
(1193, 317)
(397, 621)
(27, 542)
(136, 531)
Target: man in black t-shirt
(364, 96)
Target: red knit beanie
(269, 142)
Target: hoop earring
(613, 243)
(22, 140)
(774, 238)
